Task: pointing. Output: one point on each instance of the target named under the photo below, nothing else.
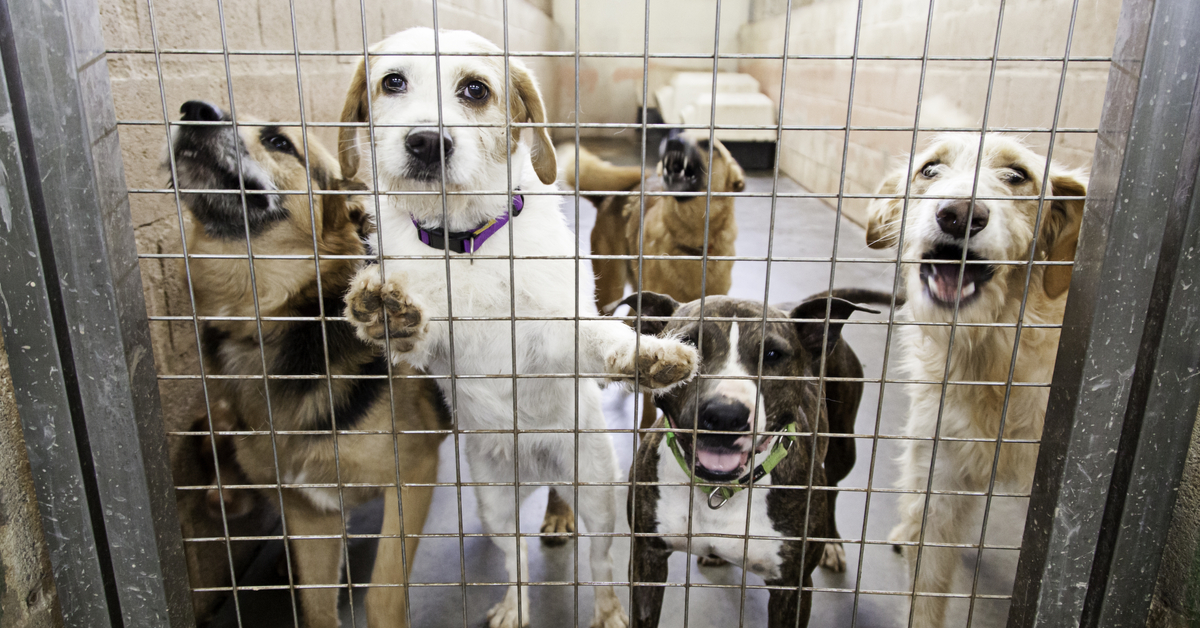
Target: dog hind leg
(784, 605)
(387, 606)
(560, 518)
(497, 513)
(946, 518)
(317, 561)
(598, 509)
(842, 400)
(649, 566)
(608, 238)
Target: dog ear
(812, 331)
(340, 209)
(525, 100)
(737, 176)
(653, 304)
(355, 110)
(883, 214)
(1061, 231)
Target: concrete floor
(803, 227)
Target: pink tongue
(719, 461)
(946, 278)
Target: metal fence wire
(282, 445)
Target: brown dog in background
(295, 444)
(673, 225)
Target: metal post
(1119, 415)
(74, 320)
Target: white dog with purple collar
(418, 149)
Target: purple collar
(469, 241)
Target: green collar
(718, 494)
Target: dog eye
(929, 170)
(395, 83)
(773, 356)
(1016, 176)
(281, 143)
(474, 91)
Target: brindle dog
(730, 409)
(294, 419)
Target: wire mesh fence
(249, 449)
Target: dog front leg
(559, 519)
(598, 509)
(387, 605)
(785, 604)
(608, 238)
(649, 561)
(497, 513)
(613, 348)
(945, 518)
(318, 562)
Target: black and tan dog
(295, 417)
(671, 225)
(728, 432)
(674, 225)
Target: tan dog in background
(995, 229)
(295, 444)
(674, 225)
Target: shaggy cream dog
(1000, 234)
(481, 283)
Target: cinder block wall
(610, 89)
(885, 91)
(27, 595)
(264, 87)
(1176, 601)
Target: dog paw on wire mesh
(660, 363)
(368, 299)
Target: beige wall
(886, 91)
(1176, 601)
(27, 595)
(264, 87)
(610, 89)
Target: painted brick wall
(885, 91)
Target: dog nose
(424, 146)
(200, 111)
(952, 217)
(725, 417)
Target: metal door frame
(74, 322)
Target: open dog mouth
(940, 275)
(719, 461)
(683, 166)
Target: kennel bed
(77, 325)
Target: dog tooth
(968, 289)
(932, 285)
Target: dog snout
(952, 217)
(425, 145)
(200, 111)
(725, 416)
